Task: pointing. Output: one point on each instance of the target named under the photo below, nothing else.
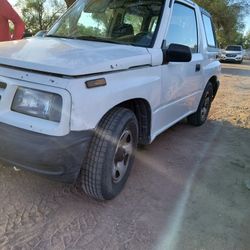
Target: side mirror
(177, 53)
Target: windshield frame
(50, 33)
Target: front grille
(231, 55)
(2, 89)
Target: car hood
(71, 57)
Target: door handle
(197, 67)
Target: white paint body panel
(71, 57)
(173, 91)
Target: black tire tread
(92, 172)
(194, 119)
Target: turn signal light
(96, 83)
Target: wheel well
(142, 111)
(214, 81)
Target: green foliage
(90, 31)
(228, 19)
(246, 41)
(40, 14)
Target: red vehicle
(7, 13)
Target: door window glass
(183, 27)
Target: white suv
(108, 76)
(233, 53)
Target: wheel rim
(205, 107)
(124, 151)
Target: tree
(246, 42)
(69, 2)
(40, 14)
(228, 18)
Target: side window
(211, 41)
(183, 27)
(135, 21)
(153, 24)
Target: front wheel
(111, 155)
(200, 116)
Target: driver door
(182, 81)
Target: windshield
(234, 48)
(131, 22)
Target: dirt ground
(190, 189)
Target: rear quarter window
(209, 30)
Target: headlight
(36, 103)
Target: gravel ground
(190, 189)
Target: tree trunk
(69, 2)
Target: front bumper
(60, 157)
(231, 59)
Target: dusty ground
(188, 190)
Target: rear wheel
(111, 155)
(200, 116)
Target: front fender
(90, 105)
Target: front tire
(111, 155)
(200, 116)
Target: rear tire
(200, 116)
(111, 155)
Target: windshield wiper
(99, 39)
(93, 38)
(56, 36)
